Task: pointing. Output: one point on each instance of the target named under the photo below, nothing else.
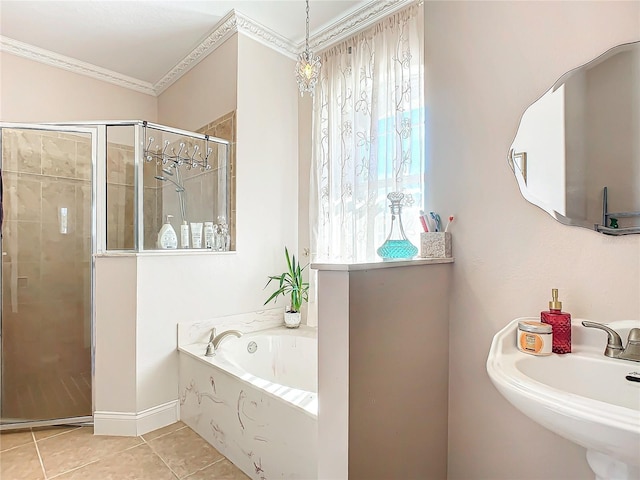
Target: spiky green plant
(290, 283)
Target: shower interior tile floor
(173, 452)
(58, 395)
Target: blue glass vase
(396, 246)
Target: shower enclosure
(71, 192)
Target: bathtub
(256, 400)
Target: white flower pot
(292, 319)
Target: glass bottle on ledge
(397, 246)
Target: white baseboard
(157, 417)
(115, 423)
(128, 424)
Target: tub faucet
(214, 340)
(614, 347)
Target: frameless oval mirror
(577, 151)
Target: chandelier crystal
(307, 66)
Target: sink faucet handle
(614, 342)
(213, 334)
(634, 335)
(632, 350)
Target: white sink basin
(582, 396)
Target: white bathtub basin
(582, 396)
(284, 356)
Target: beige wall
(382, 372)
(485, 63)
(398, 365)
(208, 91)
(115, 300)
(267, 149)
(35, 92)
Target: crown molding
(233, 22)
(47, 57)
(354, 23)
(223, 30)
(266, 36)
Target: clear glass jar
(396, 246)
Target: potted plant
(290, 283)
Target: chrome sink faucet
(614, 347)
(214, 341)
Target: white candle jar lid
(534, 327)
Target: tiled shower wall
(225, 128)
(46, 275)
(120, 199)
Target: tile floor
(74, 453)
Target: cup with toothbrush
(435, 241)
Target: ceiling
(145, 40)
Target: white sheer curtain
(368, 138)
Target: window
(368, 138)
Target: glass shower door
(47, 243)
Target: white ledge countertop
(353, 267)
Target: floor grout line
(71, 428)
(207, 466)
(192, 473)
(164, 434)
(96, 461)
(158, 455)
(71, 470)
(35, 443)
(13, 448)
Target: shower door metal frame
(98, 139)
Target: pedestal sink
(582, 396)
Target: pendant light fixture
(307, 66)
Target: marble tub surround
(264, 437)
(268, 430)
(199, 332)
(66, 453)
